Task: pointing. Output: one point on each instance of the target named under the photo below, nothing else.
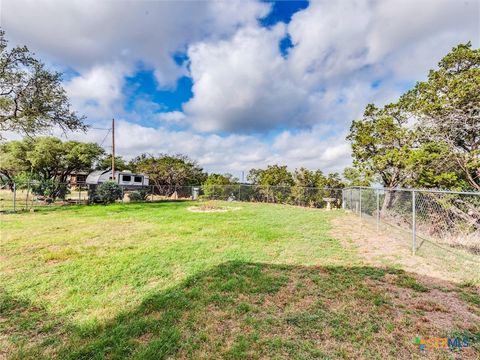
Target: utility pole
(113, 149)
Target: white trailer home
(125, 179)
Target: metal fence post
(360, 191)
(378, 208)
(239, 192)
(414, 223)
(350, 203)
(14, 197)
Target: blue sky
(238, 84)
(142, 84)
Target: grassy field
(152, 281)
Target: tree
(31, 97)
(218, 186)
(333, 181)
(50, 158)
(13, 162)
(431, 136)
(355, 177)
(219, 179)
(47, 158)
(381, 144)
(169, 172)
(433, 165)
(307, 178)
(273, 175)
(106, 163)
(447, 108)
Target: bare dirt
(392, 247)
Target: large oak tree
(32, 98)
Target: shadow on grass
(254, 310)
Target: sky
(237, 85)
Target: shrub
(108, 192)
(50, 189)
(138, 195)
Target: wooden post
(113, 149)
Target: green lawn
(153, 281)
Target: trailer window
(126, 178)
(137, 179)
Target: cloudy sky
(237, 84)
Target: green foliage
(355, 177)
(46, 158)
(448, 111)
(50, 189)
(169, 171)
(273, 175)
(381, 143)
(218, 186)
(441, 148)
(32, 98)
(138, 195)
(432, 165)
(219, 179)
(108, 192)
(106, 163)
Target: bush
(50, 189)
(108, 192)
(138, 195)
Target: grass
(158, 281)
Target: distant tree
(219, 179)
(333, 181)
(169, 171)
(47, 158)
(106, 163)
(308, 178)
(31, 97)
(447, 109)
(273, 175)
(218, 186)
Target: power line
(108, 132)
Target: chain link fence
(447, 219)
(31, 195)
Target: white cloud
(96, 91)
(172, 116)
(232, 153)
(83, 33)
(242, 84)
(243, 87)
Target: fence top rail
(473, 192)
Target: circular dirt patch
(209, 208)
